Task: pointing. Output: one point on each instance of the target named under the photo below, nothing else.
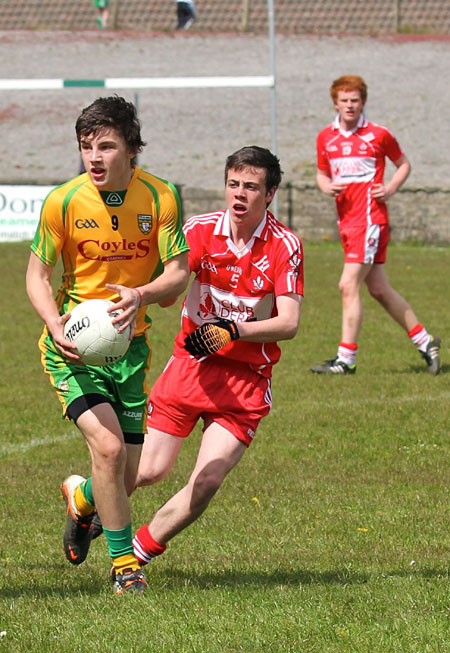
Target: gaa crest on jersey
(145, 223)
(258, 282)
(294, 261)
(63, 386)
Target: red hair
(349, 83)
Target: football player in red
(351, 158)
(246, 295)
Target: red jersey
(357, 158)
(239, 284)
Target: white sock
(421, 339)
(347, 353)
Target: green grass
(330, 535)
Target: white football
(97, 339)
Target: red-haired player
(351, 158)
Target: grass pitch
(330, 535)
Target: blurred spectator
(185, 14)
(103, 13)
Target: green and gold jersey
(120, 237)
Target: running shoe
(129, 581)
(78, 534)
(431, 355)
(333, 366)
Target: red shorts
(229, 393)
(365, 244)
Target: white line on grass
(21, 447)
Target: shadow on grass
(173, 579)
(290, 578)
(416, 368)
(445, 368)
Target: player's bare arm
(41, 294)
(327, 186)
(283, 326)
(170, 301)
(383, 192)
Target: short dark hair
(111, 112)
(253, 156)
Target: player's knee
(109, 454)
(347, 288)
(150, 475)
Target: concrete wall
(417, 215)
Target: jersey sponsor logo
(145, 223)
(114, 199)
(123, 250)
(205, 302)
(82, 223)
(353, 169)
(237, 311)
(132, 414)
(63, 386)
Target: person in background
(102, 7)
(351, 159)
(186, 14)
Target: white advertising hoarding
(20, 207)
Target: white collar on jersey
(362, 122)
(223, 228)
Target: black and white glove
(210, 337)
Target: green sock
(119, 542)
(86, 488)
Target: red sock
(145, 547)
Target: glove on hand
(210, 337)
